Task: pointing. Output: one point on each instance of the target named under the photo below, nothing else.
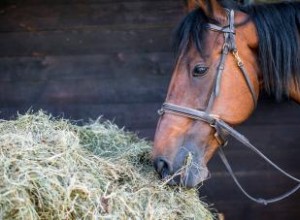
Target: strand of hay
(52, 169)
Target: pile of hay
(52, 169)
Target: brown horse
(226, 55)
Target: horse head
(217, 72)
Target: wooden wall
(85, 58)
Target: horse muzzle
(185, 170)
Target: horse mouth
(191, 178)
(190, 174)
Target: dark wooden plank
(123, 15)
(85, 67)
(246, 210)
(263, 184)
(84, 42)
(274, 135)
(272, 112)
(84, 91)
(243, 161)
(49, 68)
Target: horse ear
(211, 8)
(191, 5)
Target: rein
(223, 130)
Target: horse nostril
(162, 167)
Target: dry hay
(52, 169)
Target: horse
(226, 55)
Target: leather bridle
(222, 129)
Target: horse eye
(199, 70)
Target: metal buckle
(220, 140)
(160, 111)
(237, 58)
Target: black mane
(278, 28)
(191, 29)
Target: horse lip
(171, 182)
(188, 168)
(189, 178)
(194, 176)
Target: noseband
(222, 129)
